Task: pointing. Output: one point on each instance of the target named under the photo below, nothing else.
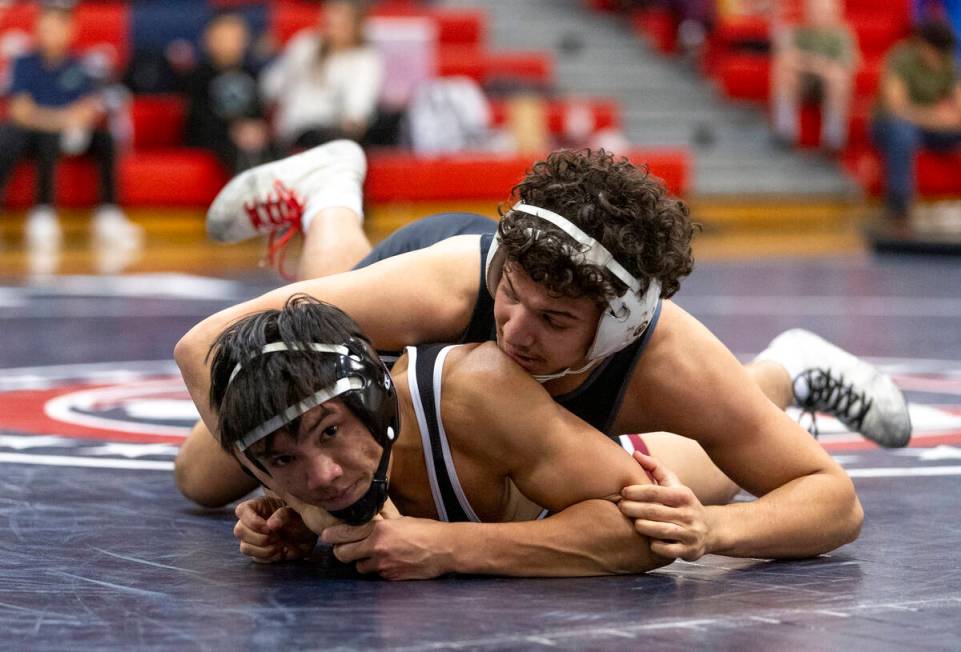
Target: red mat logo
(142, 406)
(147, 403)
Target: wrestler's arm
(503, 419)
(806, 503)
(421, 296)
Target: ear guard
(624, 319)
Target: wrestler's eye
(552, 323)
(281, 460)
(329, 432)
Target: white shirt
(346, 87)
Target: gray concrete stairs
(664, 103)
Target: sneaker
(112, 229)
(834, 382)
(272, 197)
(43, 230)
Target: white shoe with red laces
(273, 197)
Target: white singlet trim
(424, 432)
(445, 447)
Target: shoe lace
(276, 255)
(281, 207)
(829, 393)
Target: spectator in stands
(226, 115)
(814, 60)
(919, 105)
(327, 82)
(54, 109)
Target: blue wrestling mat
(100, 552)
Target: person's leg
(785, 96)
(835, 107)
(318, 193)
(48, 154)
(334, 241)
(898, 141)
(693, 467)
(774, 381)
(831, 380)
(800, 368)
(102, 149)
(113, 232)
(692, 464)
(43, 232)
(14, 142)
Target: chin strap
(543, 378)
(367, 506)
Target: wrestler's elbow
(847, 515)
(855, 518)
(190, 482)
(186, 350)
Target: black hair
(269, 383)
(938, 34)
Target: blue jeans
(899, 141)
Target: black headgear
(364, 385)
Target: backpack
(447, 115)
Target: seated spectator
(327, 82)
(919, 105)
(54, 109)
(815, 61)
(225, 114)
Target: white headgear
(624, 319)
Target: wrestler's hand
(315, 518)
(667, 512)
(403, 548)
(269, 531)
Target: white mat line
(88, 462)
(904, 471)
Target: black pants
(17, 142)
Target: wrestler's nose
(519, 329)
(322, 472)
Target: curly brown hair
(618, 204)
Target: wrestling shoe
(272, 197)
(834, 382)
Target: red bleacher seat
(158, 121)
(745, 76)
(396, 176)
(170, 177)
(485, 67)
(936, 173)
(190, 177)
(658, 27)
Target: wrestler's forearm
(191, 352)
(589, 538)
(808, 516)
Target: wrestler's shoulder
(478, 361)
